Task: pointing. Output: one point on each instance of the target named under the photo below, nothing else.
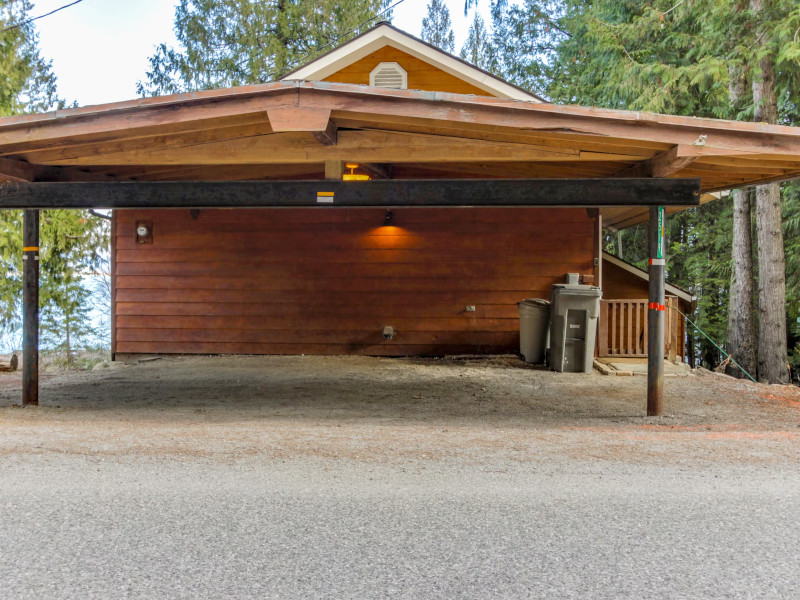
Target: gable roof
(285, 130)
(384, 34)
(645, 276)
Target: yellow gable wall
(421, 75)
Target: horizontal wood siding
(317, 281)
(421, 75)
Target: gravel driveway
(315, 477)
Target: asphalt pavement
(88, 527)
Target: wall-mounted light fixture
(354, 176)
(144, 232)
(388, 218)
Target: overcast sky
(100, 48)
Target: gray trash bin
(573, 327)
(534, 329)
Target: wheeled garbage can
(534, 329)
(573, 326)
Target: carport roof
(291, 129)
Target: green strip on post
(660, 250)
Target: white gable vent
(389, 75)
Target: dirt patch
(375, 409)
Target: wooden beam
(736, 137)
(18, 170)
(328, 136)
(316, 121)
(145, 116)
(334, 169)
(377, 193)
(355, 146)
(377, 171)
(663, 164)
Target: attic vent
(389, 75)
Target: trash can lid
(580, 290)
(537, 302)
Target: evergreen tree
(224, 43)
(71, 241)
(28, 83)
(525, 37)
(688, 58)
(437, 28)
(478, 49)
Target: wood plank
(337, 283)
(321, 321)
(291, 219)
(303, 336)
(364, 349)
(314, 269)
(356, 146)
(340, 306)
(602, 333)
(474, 297)
(308, 243)
(614, 309)
(629, 322)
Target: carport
(287, 146)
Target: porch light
(388, 218)
(354, 176)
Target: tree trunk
(741, 336)
(772, 355)
(741, 325)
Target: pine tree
(224, 43)
(71, 241)
(437, 28)
(478, 48)
(28, 83)
(525, 37)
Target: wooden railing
(622, 329)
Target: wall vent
(389, 75)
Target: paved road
(82, 527)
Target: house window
(389, 75)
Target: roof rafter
(663, 164)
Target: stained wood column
(30, 309)
(655, 315)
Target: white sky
(100, 48)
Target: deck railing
(622, 329)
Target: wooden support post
(655, 315)
(334, 169)
(30, 309)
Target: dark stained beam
(656, 313)
(30, 308)
(663, 164)
(376, 193)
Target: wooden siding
(421, 75)
(326, 281)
